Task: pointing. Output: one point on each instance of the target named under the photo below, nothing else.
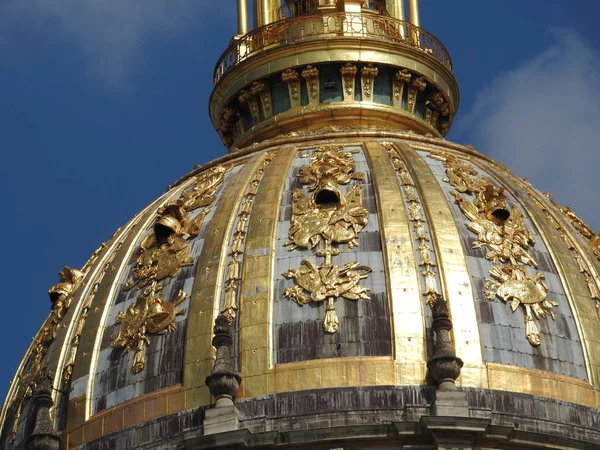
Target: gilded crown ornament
(330, 217)
(149, 314)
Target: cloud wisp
(542, 120)
(111, 33)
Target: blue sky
(103, 103)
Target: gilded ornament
(368, 75)
(61, 295)
(348, 72)
(504, 236)
(331, 163)
(513, 284)
(577, 223)
(327, 282)
(202, 193)
(415, 212)
(292, 79)
(149, 314)
(341, 224)
(311, 75)
(166, 250)
(327, 216)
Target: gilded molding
(256, 291)
(403, 279)
(452, 266)
(236, 249)
(430, 284)
(207, 288)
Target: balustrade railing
(330, 25)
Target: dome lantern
(313, 63)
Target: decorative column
(395, 8)
(223, 382)
(44, 437)
(242, 16)
(413, 8)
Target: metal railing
(339, 25)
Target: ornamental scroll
(326, 216)
(506, 240)
(166, 250)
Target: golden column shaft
(395, 8)
(242, 16)
(266, 12)
(413, 7)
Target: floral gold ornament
(149, 314)
(236, 249)
(166, 250)
(426, 256)
(330, 217)
(506, 240)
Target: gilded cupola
(308, 64)
(343, 277)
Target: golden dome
(345, 247)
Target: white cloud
(542, 120)
(111, 33)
